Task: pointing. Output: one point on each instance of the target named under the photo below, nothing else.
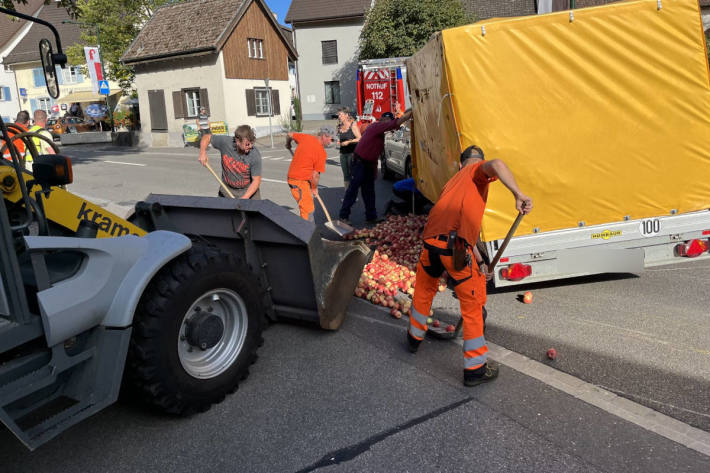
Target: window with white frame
(44, 103)
(261, 97)
(72, 75)
(256, 48)
(192, 100)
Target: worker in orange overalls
(22, 121)
(307, 164)
(451, 231)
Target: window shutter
(38, 76)
(251, 103)
(60, 76)
(79, 76)
(156, 104)
(6, 94)
(33, 105)
(204, 100)
(329, 52)
(178, 104)
(275, 105)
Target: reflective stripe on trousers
(470, 289)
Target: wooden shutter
(158, 116)
(251, 103)
(558, 5)
(205, 100)
(179, 104)
(329, 51)
(275, 105)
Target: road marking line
(276, 159)
(127, 164)
(273, 180)
(645, 417)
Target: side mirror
(52, 170)
(48, 66)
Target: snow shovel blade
(341, 228)
(441, 333)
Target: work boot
(412, 343)
(481, 375)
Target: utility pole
(268, 99)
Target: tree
(119, 22)
(395, 28)
(70, 5)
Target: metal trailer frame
(618, 247)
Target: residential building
(326, 34)
(24, 62)
(213, 53)
(12, 30)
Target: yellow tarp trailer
(603, 114)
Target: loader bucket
(306, 277)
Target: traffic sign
(103, 87)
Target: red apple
(450, 328)
(436, 323)
(552, 353)
(528, 297)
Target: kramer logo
(606, 234)
(103, 221)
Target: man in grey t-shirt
(241, 162)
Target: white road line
(645, 417)
(127, 164)
(276, 159)
(273, 180)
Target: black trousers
(363, 175)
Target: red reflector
(504, 260)
(706, 232)
(516, 272)
(692, 248)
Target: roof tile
(183, 27)
(310, 10)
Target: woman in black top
(348, 136)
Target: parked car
(58, 126)
(396, 159)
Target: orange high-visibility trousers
(470, 288)
(301, 191)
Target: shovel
(440, 332)
(221, 183)
(337, 226)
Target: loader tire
(195, 332)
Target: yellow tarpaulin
(601, 115)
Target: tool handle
(221, 183)
(514, 227)
(324, 209)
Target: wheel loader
(168, 305)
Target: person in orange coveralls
(455, 222)
(307, 164)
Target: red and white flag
(93, 62)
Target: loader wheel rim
(213, 358)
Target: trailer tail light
(691, 249)
(504, 260)
(516, 272)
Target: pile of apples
(388, 280)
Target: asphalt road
(354, 400)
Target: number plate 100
(650, 227)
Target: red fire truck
(381, 87)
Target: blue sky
(280, 7)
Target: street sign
(23, 92)
(103, 87)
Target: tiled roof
(312, 10)
(28, 49)
(11, 25)
(191, 27)
(182, 28)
